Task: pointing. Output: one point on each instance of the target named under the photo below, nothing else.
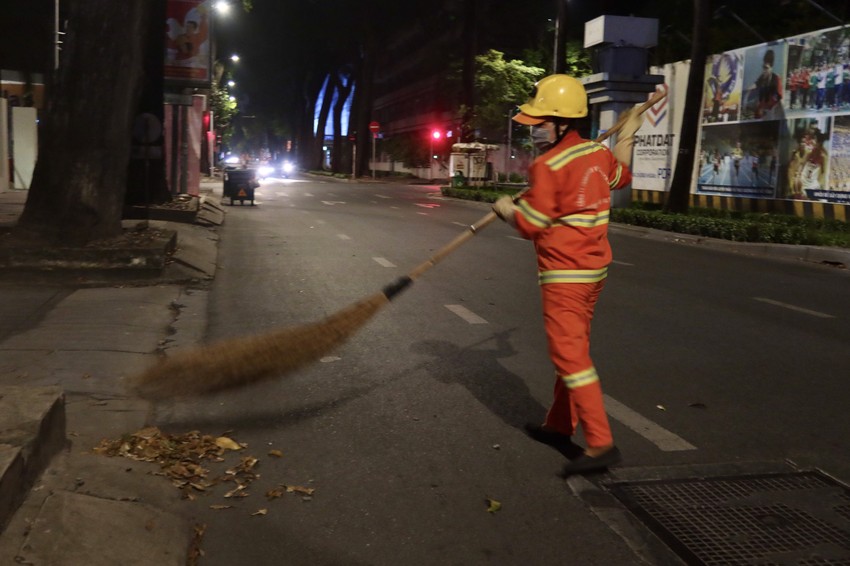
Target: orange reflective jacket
(565, 213)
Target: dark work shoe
(560, 442)
(585, 464)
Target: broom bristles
(241, 361)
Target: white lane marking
(517, 238)
(793, 308)
(466, 314)
(428, 205)
(622, 263)
(383, 196)
(423, 213)
(394, 207)
(308, 194)
(333, 202)
(343, 237)
(384, 262)
(658, 435)
(461, 224)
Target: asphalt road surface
(411, 432)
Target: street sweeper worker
(565, 214)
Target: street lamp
(222, 7)
(234, 58)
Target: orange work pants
(567, 312)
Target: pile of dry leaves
(181, 458)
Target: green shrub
(739, 227)
(707, 222)
(516, 178)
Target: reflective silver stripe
(613, 182)
(533, 217)
(562, 159)
(572, 276)
(586, 377)
(585, 220)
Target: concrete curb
(32, 432)
(833, 257)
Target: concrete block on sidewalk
(32, 431)
(77, 529)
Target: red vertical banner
(188, 53)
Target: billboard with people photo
(775, 122)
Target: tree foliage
(499, 86)
(224, 109)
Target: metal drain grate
(799, 518)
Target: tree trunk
(680, 185)
(79, 182)
(361, 110)
(306, 140)
(470, 50)
(319, 141)
(343, 92)
(146, 179)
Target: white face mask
(541, 137)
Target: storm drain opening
(795, 518)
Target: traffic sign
(374, 127)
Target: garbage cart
(239, 184)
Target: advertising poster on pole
(187, 43)
(657, 140)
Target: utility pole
(560, 38)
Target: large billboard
(775, 122)
(187, 43)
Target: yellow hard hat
(555, 96)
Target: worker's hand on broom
(505, 209)
(632, 121)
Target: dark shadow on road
(479, 371)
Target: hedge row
(713, 223)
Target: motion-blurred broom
(236, 362)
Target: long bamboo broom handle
(491, 216)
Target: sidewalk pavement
(67, 348)
(65, 352)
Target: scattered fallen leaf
(238, 491)
(195, 551)
(661, 407)
(299, 489)
(260, 512)
(493, 505)
(274, 493)
(227, 443)
(276, 453)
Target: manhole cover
(798, 518)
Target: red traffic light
(436, 134)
